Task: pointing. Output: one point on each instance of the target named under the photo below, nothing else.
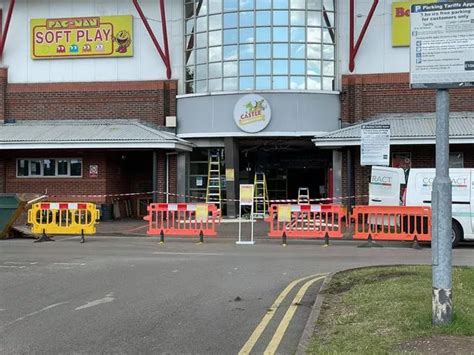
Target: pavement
(129, 295)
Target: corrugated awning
(405, 128)
(97, 134)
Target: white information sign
(442, 45)
(246, 199)
(375, 144)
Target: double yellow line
(280, 332)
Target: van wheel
(456, 234)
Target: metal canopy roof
(65, 134)
(405, 128)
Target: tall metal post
(155, 177)
(442, 298)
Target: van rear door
(384, 187)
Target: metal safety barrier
(182, 219)
(398, 223)
(63, 218)
(306, 221)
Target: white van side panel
(384, 187)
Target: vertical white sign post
(246, 199)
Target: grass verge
(373, 310)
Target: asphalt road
(131, 295)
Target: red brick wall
(173, 177)
(148, 101)
(364, 96)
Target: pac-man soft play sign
(82, 37)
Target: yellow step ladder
(213, 190)
(303, 196)
(261, 201)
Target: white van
(418, 193)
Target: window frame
(56, 168)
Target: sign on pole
(442, 45)
(246, 199)
(441, 57)
(375, 144)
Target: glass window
(329, 5)
(201, 40)
(246, 51)
(328, 34)
(328, 52)
(63, 165)
(247, 35)
(314, 4)
(329, 20)
(297, 67)
(263, 83)
(313, 67)
(230, 20)
(49, 167)
(215, 70)
(230, 69)
(263, 67)
(263, 4)
(201, 55)
(189, 26)
(23, 167)
(201, 86)
(189, 10)
(298, 34)
(246, 19)
(215, 54)
(201, 72)
(230, 84)
(264, 51)
(297, 51)
(230, 52)
(280, 67)
(215, 6)
(230, 36)
(264, 18)
(215, 22)
(314, 51)
(246, 68)
(314, 34)
(314, 18)
(280, 50)
(201, 8)
(328, 68)
(264, 35)
(280, 18)
(246, 4)
(298, 18)
(201, 24)
(298, 4)
(36, 168)
(215, 85)
(297, 83)
(280, 4)
(313, 82)
(280, 34)
(328, 84)
(230, 5)
(215, 38)
(456, 160)
(280, 82)
(246, 83)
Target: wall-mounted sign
(93, 171)
(82, 37)
(442, 45)
(252, 113)
(401, 22)
(375, 144)
(229, 174)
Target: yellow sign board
(284, 213)
(202, 212)
(82, 37)
(246, 194)
(229, 174)
(401, 21)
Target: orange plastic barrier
(401, 223)
(306, 221)
(182, 219)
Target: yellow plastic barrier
(63, 218)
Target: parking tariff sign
(442, 44)
(375, 144)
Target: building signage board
(81, 37)
(401, 21)
(375, 144)
(442, 45)
(252, 113)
